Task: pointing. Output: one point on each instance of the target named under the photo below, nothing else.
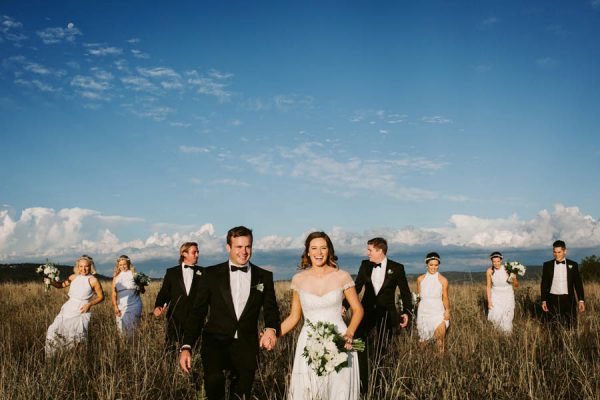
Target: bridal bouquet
(141, 281)
(49, 272)
(324, 350)
(514, 268)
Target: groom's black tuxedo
(563, 307)
(380, 309)
(220, 350)
(172, 292)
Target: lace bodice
(321, 297)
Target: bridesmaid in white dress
(125, 297)
(71, 325)
(500, 294)
(433, 314)
(317, 295)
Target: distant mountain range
(26, 272)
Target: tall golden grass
(479, 363)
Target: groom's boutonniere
(198, 272)
(260, 287)
(390, 272)
(570, 266)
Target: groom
(232, 294)
(174, 295)
(560, 282)
(380, 277)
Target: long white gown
(321, 300)
(503, 301)
(70, 325)
(430, 313)
(129, 302)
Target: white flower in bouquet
(141, 281)
(324, 350)
(49, 272)
(514, 268)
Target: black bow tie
(376, 265)
(189, 266)
(560, 262)
(235, 268)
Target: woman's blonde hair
(130, 266)
(88, 259)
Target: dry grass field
(479, 363)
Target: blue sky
(128, 127)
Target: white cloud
(210, 85)
(180, 124)
(89, 83)
(99, 51)
(193, 149)
(158, 72)
(286, 102)
(314, 161)
(62, 235)
(41, 86)
(436, 120)
(10, 31)
(139, 54)
(133, 40)
(138, 84)
(158, 113)
(595, 4)
(58, 35)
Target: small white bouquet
(50, 274)
(141, 281)
(514, 268)
(325, 351)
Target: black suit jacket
(172, 292)
(383, 304)
(574, 284)
(213, 297)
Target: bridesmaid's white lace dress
(70, 325)
(321, 300)
(503, 301)
(129, 302)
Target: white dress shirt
(240, 290)
(559, 280)
(378, 276)
(188, 277)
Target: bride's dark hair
(331, 257)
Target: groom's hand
(544, 306)
(158, 311)
(404, 322)
(185, 361)
(268, 339)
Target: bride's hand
(490, 305)
(348, 336)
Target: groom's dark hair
(379, 243)
(559, 243)
(237, 232)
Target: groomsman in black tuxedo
(174, 295)
(232, 294)
(380, 277)
(560, 283)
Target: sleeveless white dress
(503, 301)
(129, 302)
(305, 384)
(70, 325)
(430, 313)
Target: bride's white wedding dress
(71, 325)
(129, 302)
(321, 300)
(503, 301)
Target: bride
(317, 294)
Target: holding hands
(268, 339)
